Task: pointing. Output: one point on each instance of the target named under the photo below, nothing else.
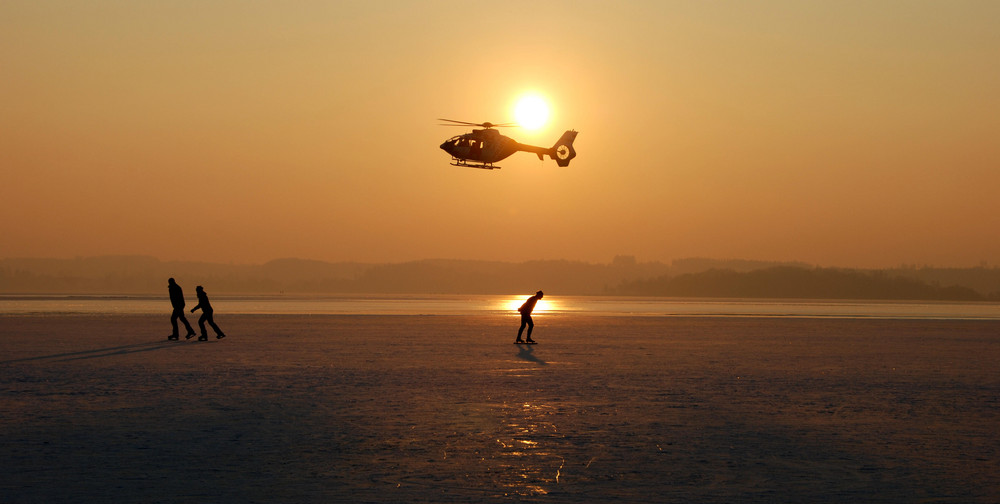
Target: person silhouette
(177, 301)
(206, 315)
(526, 310)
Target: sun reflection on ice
(531, 468)
(512, 303)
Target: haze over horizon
(848, 134)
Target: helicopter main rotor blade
(481, 125)
(458, 122)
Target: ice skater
(177, 301)
(206, 315)
(526, 310)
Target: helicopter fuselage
(483, 146)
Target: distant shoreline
(703, 278)
(503, 306)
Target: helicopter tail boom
(562, 152)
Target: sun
(531, 112)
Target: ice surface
(445, 409)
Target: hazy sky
(839, 133)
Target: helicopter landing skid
(481, 166)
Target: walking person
(177, 301)
(526, 310)
(206, 315)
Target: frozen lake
(438, 409)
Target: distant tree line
(624, 276)
(798, 283)
(145, 275)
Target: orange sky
(837, 133)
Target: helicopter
(483, 147)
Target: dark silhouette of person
(177, 301)
(206, 315)
(526, 310)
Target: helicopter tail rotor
(563, 150)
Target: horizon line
(624, 257)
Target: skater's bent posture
(206, 315)
(525, 310)
(177, 301)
